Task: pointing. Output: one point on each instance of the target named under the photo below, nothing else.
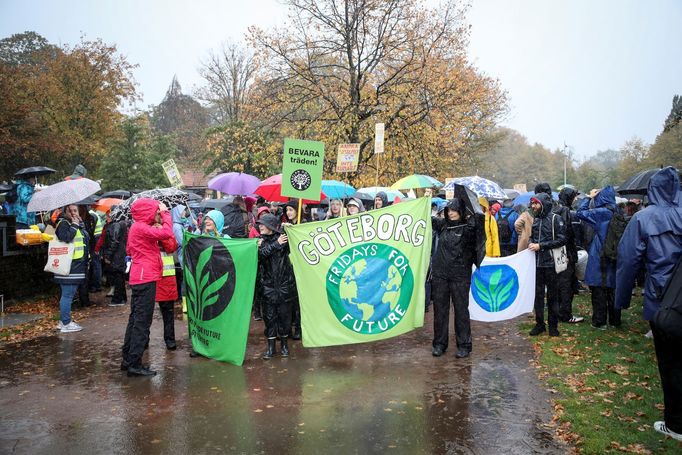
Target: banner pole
(376, 180)
(300, 204)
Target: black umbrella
(34, 171)
(473, 208)
(364, 197)
(90, 200)
(214, 204)
(194, 196)
(171, 197)
(5, 187)
(638, 183)
(119, 194)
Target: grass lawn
(606, 387)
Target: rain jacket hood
(484, 202)
(606, 197)
(384, 198)
(546, 201)
(543, 188)
(144, 210)
(567, 196)
(653, 239)
(176, 214)
(218, 218)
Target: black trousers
(455, 291)
(277, 315)
(603, 306)
(565, 292)
(296, 313)
(118, 281)
(669, 357)
(507, 249)
(546, 277)
(168, 321)
(139, 322)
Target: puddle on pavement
(11, 319)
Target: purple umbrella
(235, 183)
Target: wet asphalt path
(64, 393)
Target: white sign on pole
(379, 138)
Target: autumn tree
(183, 117)
(238, 147)
(60, 105)
(634, 158)
(135, 157)
(667, 148)
(340, 66)
(228, 73)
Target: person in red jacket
(167, 290)
(145, 272)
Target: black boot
(271, 349)
(295, 332)
(285, 347)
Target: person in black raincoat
(380, 200)
(277, 283)
(291, 217)
(566, 285)
(548, 232)
(114, 257)
(451, 277)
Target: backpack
(504, 229)
(614, 232)
(668, 318)
(234, 222)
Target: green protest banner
(219, 278)
(302, 169)
(361, 278)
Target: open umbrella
(236, 183)
(33, 171)
(271, 190)
(337, 190)
(482, 187)
(373, 190)
(61, 194)
(511, 194)
(104, 204)
(214, 204)
(524, 198)
(416, 181)
(120, 194)
(638, 183)
(171, 197)
(194, 197)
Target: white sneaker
(71, 327)
(649, 334)
(661, 428)
(60, 325)
(575, 319)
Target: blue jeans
(68, 291)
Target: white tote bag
(559, 255)
(59, 256)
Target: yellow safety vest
(168, 264)
(79, 246)
(99, 226)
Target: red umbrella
(271, 190)
(105, 204)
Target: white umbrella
(62, 194)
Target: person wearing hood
(653, 240)
(145, 271)
(506, 217)
(78, 173)
(353, 206)
(548, 232)
(454, 256)
(167, 288)
(492, 236)
(277, 284)
(291, 217)
(212, 224)
(600, 276)
(257, 295)
(524, 224)
(24, 192)
(566, 286)
(380, 200)
(254, 233)
(115, 235)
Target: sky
(588, 74)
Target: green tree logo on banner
(210, 282)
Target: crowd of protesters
(607, 248)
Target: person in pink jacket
(145, 271)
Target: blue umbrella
(337, 190)
(524, 198)
(482, 187)
(391, 194)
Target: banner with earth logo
(219, 276)
(503, 288)
(361, 278)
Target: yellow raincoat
(492, 238)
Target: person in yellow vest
(70, 228)
(492, 239)
(167, 290)
(95, 270)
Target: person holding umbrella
(70, 228)
(145, 272)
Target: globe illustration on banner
(495, 287)
(370, 289)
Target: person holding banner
(453, 259)
(336, 209)
(291, 217)
(277, 283)
(548, 232)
